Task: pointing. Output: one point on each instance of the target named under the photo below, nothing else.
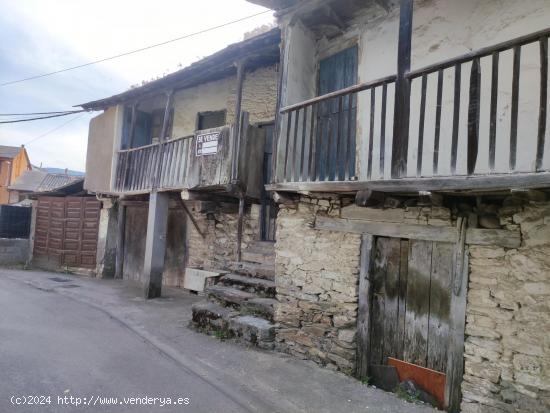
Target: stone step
(259, 257)
(210, 317)
(253, 269)
(254, 330)
(259, 286)
(228, 297)
(260, 306)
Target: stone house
(178, 164)
(411, 167)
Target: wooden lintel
(443, 184)
(474, 236)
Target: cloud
(39, 37)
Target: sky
(42, 36)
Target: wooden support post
(132, 126)
(402, 92)
(240, 228)
(121, 231)
(155, 244)
(241, 66)
(455, 349)
(158, 173)
(364, 309)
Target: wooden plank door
(407, 292)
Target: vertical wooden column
(241, 66)
(365, 305)
(240, 223)
(400, 143)
(157, 220)
(121, 230)
(162, 138)
(155, 244)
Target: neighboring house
(412, 165)
(39, 182)
(179, 163)
(65, 220)
(13, 162)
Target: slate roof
(261, 50)
(40, 181)
(9, 151)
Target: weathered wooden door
(411, 299)
(336, 117)
(405, 317)
(66, 232)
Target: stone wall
(507, 347)
(317, 281)
(218, 222)
(14, 251)
(507, 343)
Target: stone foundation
(507, 347)
(507, 337)
(317, 281)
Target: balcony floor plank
(451, 184)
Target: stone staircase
(242, 303)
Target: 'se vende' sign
(207, 144)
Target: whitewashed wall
(442, 29)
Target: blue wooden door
(337, 132)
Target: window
(208, 120)
(156, 125)
(147, 128)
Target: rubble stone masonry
(317, 281)
(507, 342)
(219, 226)
(507, 346)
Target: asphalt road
(52, 345)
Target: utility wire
(43, 117)
(38, 113)
(54, 129)
(136, 50)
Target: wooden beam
(369, 198)
(192, 218)
(364, 307)
(474, 236)
(241, 67)
(488, 183)
(240, 223)
(400, 143)
(121, 231)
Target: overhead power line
(38, 113)
(136, 50)
(53, 130)
(42, 117)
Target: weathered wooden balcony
(175, 164)
(230, 164)
(475, 122)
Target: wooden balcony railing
(481, 113)
(138, 168)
